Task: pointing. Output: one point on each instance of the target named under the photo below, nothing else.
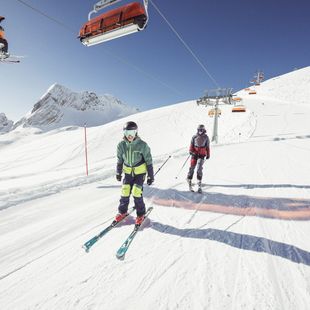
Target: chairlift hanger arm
(101, 5)
(105, 3)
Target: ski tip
(85, 248)
(120, 257)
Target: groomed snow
(242, 244)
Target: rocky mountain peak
(5, 124)
(59, 106)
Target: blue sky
(232, 38)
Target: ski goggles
(128, 133)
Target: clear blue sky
(232, 38)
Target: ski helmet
(201, 129)
(130, 126)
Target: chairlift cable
(146, 74)
(184, 43)
(45, 15)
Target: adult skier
(3, 41)
(199, 150)
(135, 160)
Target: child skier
(135, 160)
(3, 41)
(199, 150)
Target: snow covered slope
(292, 87)
(60, 107)
(242, 244)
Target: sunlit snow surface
(242, 244)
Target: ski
(9, 58)
(120, 254)
(10, 61)
(87, 245)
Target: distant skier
(135, 160)
(199, 150)
(3, 42)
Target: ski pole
(162, 165)
(183, 165)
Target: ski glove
(119, 168)
(119, 177)
(149, 180)
(150, 174)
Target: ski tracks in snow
(13, 198)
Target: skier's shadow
(241, 241)
(251, 186)
(269, 207)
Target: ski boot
(190, 185)
(3, 54)
(120, 216)
(199, 187)
(139, 220)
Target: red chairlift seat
(113, 24)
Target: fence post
(85, 146)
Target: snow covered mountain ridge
(60, 107)
(292, 87)
(5, 124)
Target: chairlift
(238, 108)
(237, 99)
(5, 56)
(124, 20)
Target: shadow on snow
(251, 186)
(242, 205)
(240, 241)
